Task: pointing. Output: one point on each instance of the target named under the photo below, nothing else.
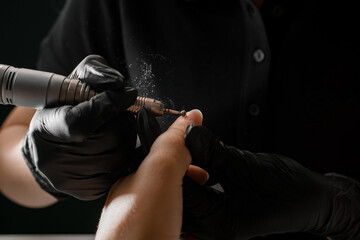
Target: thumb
(89, 116)
(81, 121)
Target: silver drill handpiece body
(38, 89)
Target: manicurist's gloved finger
(209, 153)
(75, 123)
(95, 71)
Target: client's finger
(197, 174)
(193, 117)
(171, 144)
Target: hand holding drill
(81, 150)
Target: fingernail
(207, 176)
(194, 111)
(195, 116)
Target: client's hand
(148, 203)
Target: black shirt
(302, 101)
(214, 55)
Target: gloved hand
(82, 150)
(263, 194)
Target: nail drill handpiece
(38, 89)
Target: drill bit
(171, 111)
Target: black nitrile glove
(263, 194)
(82, 150)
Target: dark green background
(23, 24)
